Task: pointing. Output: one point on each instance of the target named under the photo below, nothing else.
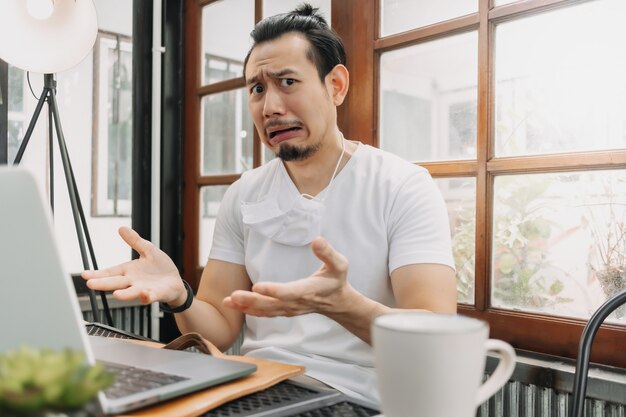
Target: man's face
(291, 108)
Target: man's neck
(312, 175)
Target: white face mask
(296, 225)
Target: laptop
(39, 308)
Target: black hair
(326, 48)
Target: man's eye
(286, 82)
(257, 89)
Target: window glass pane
(227, 133)
(460, 197)
(217, 68)
(17, 117)
(16, 85)
(562, 90)
(226, 27)
(210, 199)
(428, 99)
(272, 7)
(113, 138)
(501, 2)
(402, 15)
(559, 241)
(15, 136)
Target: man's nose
(273, 103)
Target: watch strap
(184, 306)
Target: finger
(273, 308)
(135, 241)
(333, 260)
(134, 293)
(246, 299)
(107, 272)
(250, 310)
(109, 284)
(292, 291)
(264, 313)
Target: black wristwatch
(184, 306)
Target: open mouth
(278, 132)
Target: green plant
(42, 379)
(520, 246)
(464, 250)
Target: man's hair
(326, 49)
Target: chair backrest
(579, 390)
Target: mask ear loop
(343, 150)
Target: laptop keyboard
(97, 329)
(130, 380)
(279, 399)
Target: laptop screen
(37, 302)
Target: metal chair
(579, 391)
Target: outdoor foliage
(521, 239)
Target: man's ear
(337, 83)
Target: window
(219, 142)
(428, 106)
(227, 143)
(112, 127)
(517, 110)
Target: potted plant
(40, 382)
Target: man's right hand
(152, 277)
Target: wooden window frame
(358, 119)
(524, 330)
(195, 91)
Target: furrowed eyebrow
(278, 74)
(252, 80)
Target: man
(311, 247)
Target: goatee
(294, 153)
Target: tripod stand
(82, 232)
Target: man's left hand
(323, 292)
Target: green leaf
(40, 379)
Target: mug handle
(503, 371)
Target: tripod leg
(85, 229)
(51, 158)
(70, 189)
(94, 263)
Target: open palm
(152, 277)
(321, 292)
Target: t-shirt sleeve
(419, 230)
(228, 233)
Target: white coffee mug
(432, 365)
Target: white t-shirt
(382, 213)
